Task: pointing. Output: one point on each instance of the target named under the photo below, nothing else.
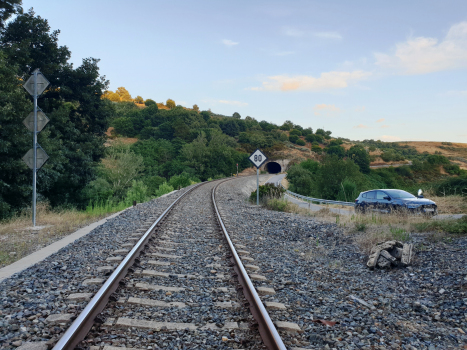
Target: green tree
(9, 8)
(361, 157)
(288, 125)
(15, 141)
(120, 168)
(170, 103)
(74, 139)
(293, 138)
(150, 102)
(139, 99)
(236, 115)
(196, 108)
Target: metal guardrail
(319, 200)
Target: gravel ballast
(320, 274)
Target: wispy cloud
(384, 126)
(327, 35)
(327, 110)
(389, 138)
(326, 81)
(361, 126)
(380, 120)
(233, 103)
(360, 109)
(423, 55)
(229, 43)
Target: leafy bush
(267, 191)
(150, 102)
(316, 149)
(295, 132)
(293, 138)
(276, 204)
(164, 189)
(180, 181)
(170, 103)
(452, 169)
(137, 192)
(98, 190)
(300, 142)
(310, 138)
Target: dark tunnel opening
(273, 168)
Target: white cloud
(384, 126)
(229, 43)
(327, 110)
(423, 55)
(326, 81)
(327, 35)
(389, 138)
(233, 103)
(361, 126)
(380, 120)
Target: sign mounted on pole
(42, 83)
(41, 158)
(257, 158)
(42, 121)
(35, 122)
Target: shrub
(295, 132)
(277, 204)
(458, 226)
(180, 181)
(139, 99)
(316, 149)
(300, 142)
(164, 189)
(310, 138)
(150, 102)
(267, 191)
(137, 192)
(293, 138)
(452, 169)
(98, 190)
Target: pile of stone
(390, 253)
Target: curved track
(178, 288)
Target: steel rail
(267, 330)
(85, 320)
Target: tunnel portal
(273, 168)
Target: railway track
(184, 284)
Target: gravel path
(320, 274)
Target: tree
(8, 8)
(74, 139)
(361, 157)
(196, 108)
(120, 168)
(124, 94)
(139, 99)
(15, 141)
(149, 102)
(170, 103)
(236, 115)
(293, 138)
(288, 125)
(310, 138)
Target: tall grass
(101, 208)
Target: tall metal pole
(257, 186)
(34, 146)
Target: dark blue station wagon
(394, 201)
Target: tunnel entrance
(273, 168)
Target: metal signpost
(35, 122)
(257, 158)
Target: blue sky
(392, 70)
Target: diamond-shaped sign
(42, 121)
(41, 158)
(42, 84)
(258, 158)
